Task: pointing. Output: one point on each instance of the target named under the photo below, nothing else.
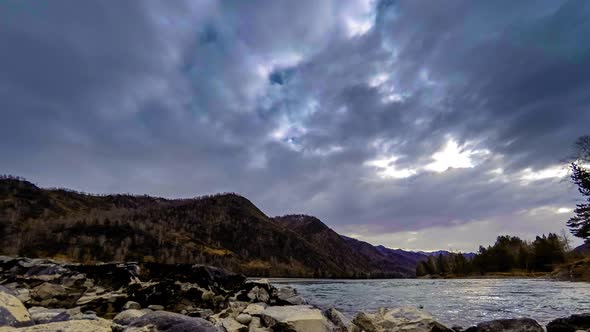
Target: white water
(463, 302)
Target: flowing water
(463, 302)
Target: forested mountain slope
(225, 230)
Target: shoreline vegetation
(42, 295)
(511, 257)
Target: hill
(225, 230)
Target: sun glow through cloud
(554, 172)
(387, 169)
(453, 156)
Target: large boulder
(296, 318)
(229, 324)
(41, 315)
(289, 295)
(105, 303)
(402, 319)
(162, 321)
(343, 323)
(258, 294)
(12, 310)
(128, 316)
(216, 279)
(570, 324)
(75, 314)
(508, 325)
(255, 308)
(257, 291)
(100, 325)
(52, 295)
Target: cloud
(380, 117)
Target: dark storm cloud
(291, 103)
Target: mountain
(225, 230)
(468, 255)
(351, 252)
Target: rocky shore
(41, 295)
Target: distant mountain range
(225, 230)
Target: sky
(413, 124)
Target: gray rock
(244, 319)
(128, 316)
(162, 321)
(106, 304)
(41, 315)
(198, 312)
(232, 310)
(402, 319)
(155, 307)
(229, 324)
(256, 325)
(23, 294)
(258, 294)
(342, 322)
(255, 309)
(48, 291)
(12, 311)
(508, 325)
(131, 305)
(74, 314)
(99, 325)
(289, 295)
(570, 324)
(296, 318)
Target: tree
(580, 224)
(547, 251)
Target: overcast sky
(413, 124)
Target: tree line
(507, 254)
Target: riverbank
(575, 271)
(44, 295)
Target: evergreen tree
(580, 224)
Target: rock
(48, 291)
(100, 325)
(155, 307)
(255, 309)
(131, 305)
(232, 310)
(296, 318)
(288, 295)
(258, 294)
(75, 314)
(232, 325)
(162, 321)
(216, 279)
(41, 315)
(106, 304)
(198, 312)
(12, 311)
(257, 291)
(508, 325)
(23, 294)
(341, 321)
(570, 324)
(256, 326)
(244, 319)
(402, 319)
(127, 316)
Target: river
(463, 302)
